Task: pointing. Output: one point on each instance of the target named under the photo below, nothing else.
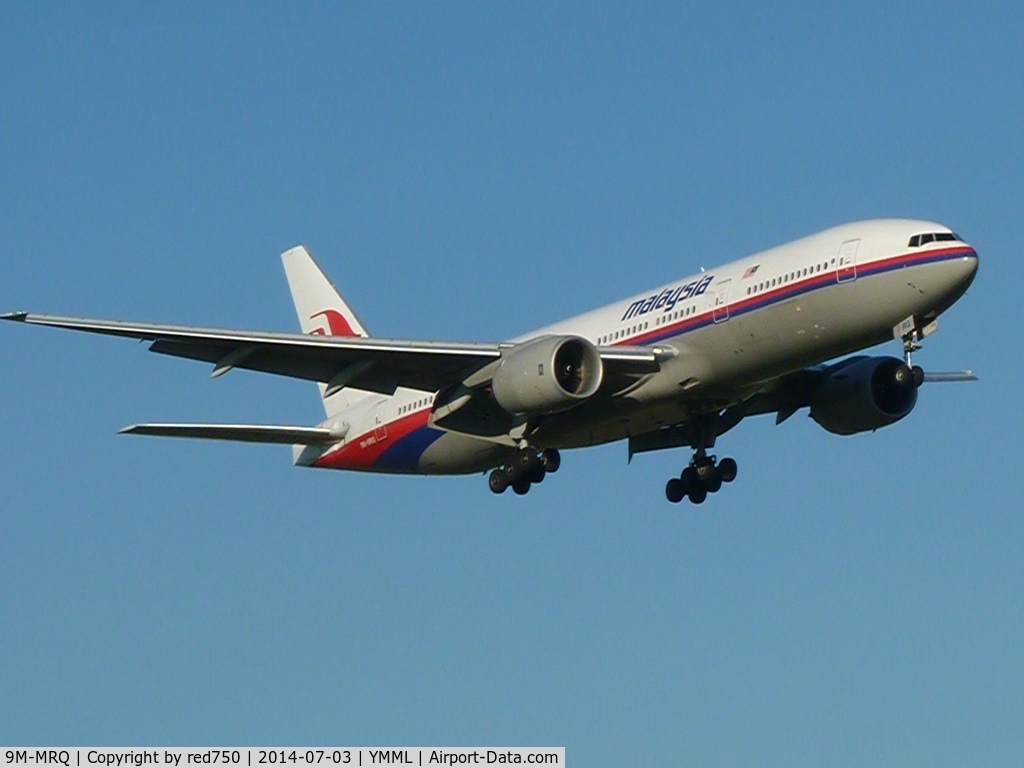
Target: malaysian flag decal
(750, 272)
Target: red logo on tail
(336, 324)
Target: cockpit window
(932, 237)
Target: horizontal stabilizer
(246, 433)
(949, 376)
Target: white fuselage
(733, 327)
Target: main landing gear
(704, 475)
(528, 466)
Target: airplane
(676, 366)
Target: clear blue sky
(473, 171)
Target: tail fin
(320, 307)
(322, 312)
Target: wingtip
(127, 430)
(19, 317)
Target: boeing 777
(677, 366)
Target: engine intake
(866, 394)
(548, 374)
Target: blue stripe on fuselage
(404, 455)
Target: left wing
(378, 365)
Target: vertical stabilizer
(322, 312)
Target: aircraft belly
(823, 324)
(456, 454)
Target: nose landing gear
(704, 475)
(528, 466)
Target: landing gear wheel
(674, 490)
(727, 469)
(497, 481)
(697, 495)
(903, 376)
(918, 375)
(551, 459)
(714, 483)
(526, 460)
(705, 471)
(521, 486)
(537, 475)
(689, 477)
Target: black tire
(727, 469)
(689, 477)
(527, 460)
(674, 490)
(521, 486)
(551, 459)
(903, 376)
(497, 481)
(697, 495)
(705, 471)
(918, 375)
(538, 473)
(714, 483)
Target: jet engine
(868, 393)
(548, 374)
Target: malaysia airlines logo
(668, 298)
(336, 325)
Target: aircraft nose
(961, 274)
(968, 268)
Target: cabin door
(846, 264)
(721, 310)
(380, 427)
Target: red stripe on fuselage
(361, 452)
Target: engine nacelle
(869, 393)
(548, 374)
